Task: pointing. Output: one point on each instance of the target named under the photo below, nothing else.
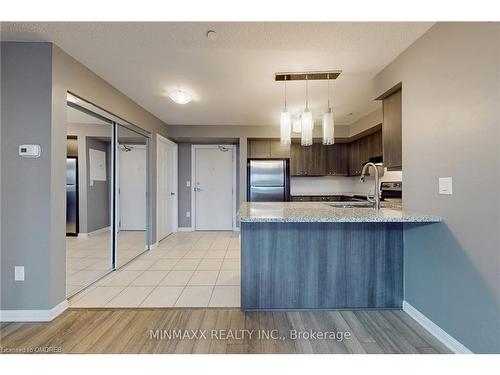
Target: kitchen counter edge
(312, 212)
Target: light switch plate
(19, 273)
(188, 214)
(188, 183)
(446, 185)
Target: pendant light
(307, 121)
(328, 123)
(285, 124)
(297, 125)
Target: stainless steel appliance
(71, 197)
(392, 190)
(268, 180)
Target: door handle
(197, 189)
(171, 193)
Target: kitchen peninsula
(297, 255)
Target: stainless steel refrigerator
(71, 197)
(268, 180)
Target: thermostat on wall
(30, 151)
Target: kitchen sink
(351, 205)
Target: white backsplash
(320, 185)
(337, 185)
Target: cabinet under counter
(297, 256)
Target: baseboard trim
(97, 231)
(449, 341)
(185, 229)
(33, 315)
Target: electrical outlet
(19, 273)
(188, 214)
(188, 183)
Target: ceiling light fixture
(328, 122)
(180, 97)
(285, 125)
(297, 125)
(307, 121)
(304, 123)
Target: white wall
(327, 185)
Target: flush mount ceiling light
(180, 97)
(285, 125)
(328, 123)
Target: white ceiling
(231, 78)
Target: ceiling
(232, 77)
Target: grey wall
(26, 86)
(451, 121)
(35, 81)
(82, 131)
(98, 195)
(184, 174)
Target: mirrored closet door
(132, 187)
(89, 198)
(107, 193)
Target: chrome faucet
(376, 198)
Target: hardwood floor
(135, 331)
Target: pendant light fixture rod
(307, 92)
(328, 83)
(285, 94)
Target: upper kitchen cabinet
(279, 150)
(318, 160)
(392, 129)
(299, 159)
(362, 150)
(355, 159)
(376, 144)
(303, 160)
(337, 159)
(340, 159)
(267, 148)
(295, 163)
(260, 148)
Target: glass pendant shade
(296, 125)
(307, 128)
(285, 128)
(328, 128)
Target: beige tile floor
(187, 269)
(88, 259)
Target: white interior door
(166, 201)
(132, 185)
(213, 187)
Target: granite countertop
(296, 212)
